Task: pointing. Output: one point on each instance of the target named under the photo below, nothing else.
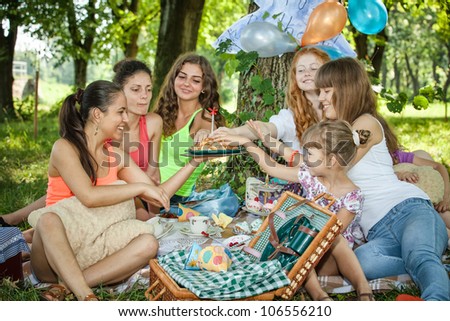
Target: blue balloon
(331, 51)
(367, 16)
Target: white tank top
(382, 190)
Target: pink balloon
(326, 21)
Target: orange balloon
(326, 21)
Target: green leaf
(268, 99)
(255, 83)
(267, 87)
(246, 60)
(395, 106)
(428, 92)
(223, 46)
(265, 15)
(420, 102)
(244, 116)
(231, 66)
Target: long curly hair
(302, 108)
(167, 102)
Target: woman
(141, 136)
(404, 232)
(88, 233)
(188, 96)
(304, 110)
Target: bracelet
(291, 159)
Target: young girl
(88, 234)
(328, 149)
(405, 233)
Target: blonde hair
(301, 107)
(334, 137)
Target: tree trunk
(131, 48)
(413, 75)
(274, 68)
(378, 52)
(363, 53)
(178, 32)
(361, 44)
(83, 45)
(80, 72)
(7, 44)
(397, 75)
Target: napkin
(222, 220)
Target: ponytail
(75, 112)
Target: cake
(210, 144)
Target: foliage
(25, 107)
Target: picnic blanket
(243, 279)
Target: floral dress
(352, 201)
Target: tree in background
(12, 15)
(129, 19)
(178, 32)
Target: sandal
(55, 292)
(369, 296)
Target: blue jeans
(409, 239)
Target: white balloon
(266, 39)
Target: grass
(24, 162)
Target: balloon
(367, 16)
(266, 39)
(326, 21)
(331, 51)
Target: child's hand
(254, 126)
(232, 140)
(443, 205)
(409, 177)
(221, 131)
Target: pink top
(58, 190)
(140, 155)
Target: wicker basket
(163, 287)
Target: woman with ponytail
(88, 233)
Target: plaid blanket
(244, 278)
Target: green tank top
(171, 159)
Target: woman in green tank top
(186, 97)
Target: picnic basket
(289, 206)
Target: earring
(202, 91)
(96, 130)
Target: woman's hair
(353, 94)
(127, 68)
(304, 113)
(167, 102)
(75, 113)
(334, 137)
